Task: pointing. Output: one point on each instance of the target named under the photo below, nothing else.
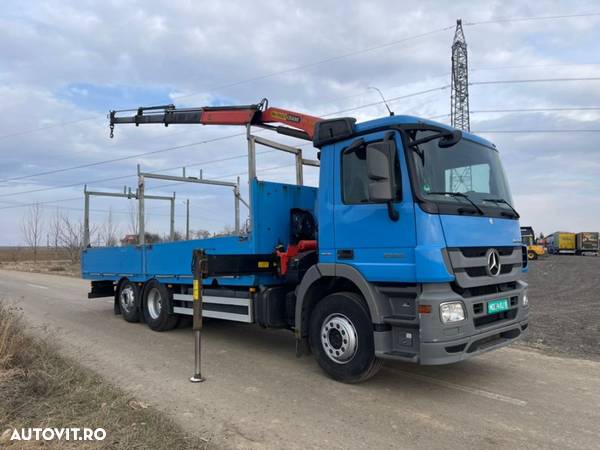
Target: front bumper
(428, 341)
(432, 353)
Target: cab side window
(355, 179)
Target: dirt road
(258, 395)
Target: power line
(259, 77)
(41, 203)
(334, 58)
(117, 211)
(167, 149)
(178, 147)
(525, 110)
(319, 62)
(535, 18)
(124, 158)
(20, 205)
(534, 80)
(536, 131)
(517, 110)
(532, 66)
(390, 100)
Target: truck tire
(156, 306)
(129, 301)
(341, 337)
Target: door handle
(345, 254)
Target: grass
(40, 388)
(49, 260)
(17, 254)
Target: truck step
(226, 308)
(402, 321)
(402, 356)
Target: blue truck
(408, 250)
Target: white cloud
(184, 48)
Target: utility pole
(187, 219)
(459, 97)
(172, 224)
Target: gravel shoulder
(564, 292)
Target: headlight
(525, 300)
(452, 312)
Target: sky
(64, 64)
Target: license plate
(496, 306)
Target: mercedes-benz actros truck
(409, 249)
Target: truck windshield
(467, 167)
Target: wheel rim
(154, 303)
(339, 338)
(127, 298)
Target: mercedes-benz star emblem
(493, 262)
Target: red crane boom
(293, 123)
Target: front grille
(471, 265)
(477, 252)
(489, 289)
(482, 271)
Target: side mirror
(380, 159)
(450, 139)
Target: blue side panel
(171, 261)
(111, 260)
(325, 206)
(271, 205)
(429, 260)
(175, 258)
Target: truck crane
(297, 125)
(409, 249)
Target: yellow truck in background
(562, 242)
(534, 251)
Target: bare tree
(71, 237)
(55, 223)
(32, 228)
(226, 231)
(177, 236)
(200, 234)
(109, 231)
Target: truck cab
(419, 218)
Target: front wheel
(531, 256)
(341, 337)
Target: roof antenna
(382, 98)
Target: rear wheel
(341, 337)
(129, 301)
(157, 304)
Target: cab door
(364, 234)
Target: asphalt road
(259, 395)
